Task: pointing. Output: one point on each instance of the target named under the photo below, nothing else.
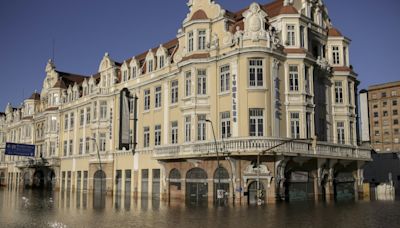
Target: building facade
(383, 115)
(260, 103)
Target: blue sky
(84, 30)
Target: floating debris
(57, 225)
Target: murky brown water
(38, 208)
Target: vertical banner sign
(124, 120)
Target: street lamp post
(219, 170)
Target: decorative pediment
(201, 8)
(254, 23)
(106, 63)
(161, 51)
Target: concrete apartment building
(258, 79)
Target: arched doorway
(99, 190)
(174, 184)
(2, 179)
(343, 185)
(38, 179)
(196, 186)
(299, 182)
(252, 191)
(221, 182)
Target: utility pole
(219, 170)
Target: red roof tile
(334, 32)
(199, 15)
(288, 9)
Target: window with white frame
(103, 110)
(350, 92)
(157, 97)
(150, 66)
(307, 79)
(53, 124)
(338, 92)
(65, 148)
(71, 147)
(71, 120)
(102, 142)
(188, 83)
(146, 99)
(202, 39)
(66, 120)
(125, 75)
(256, 72)
(134, 72)
(302, 37)
(157, 135)
(291, 38)
(340, 132)
(188, 127)
(80, 146)
(88, 115)
(225, 125)
(87, 145)
(161, 61)
(82, 117)
(95, 110)
(335, 55)
(52, 148)
(201, 82)
(190, 41)
(293, 78)
(225, 78)
(174, 91)
(146, 137)
(174, 132)
(256, 122)
(201, 127)
(295, 125)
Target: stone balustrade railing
(253, 146)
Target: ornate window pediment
(254, 23)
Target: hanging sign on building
(20, 149)
(234, 98)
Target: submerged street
(41, 208)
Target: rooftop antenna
(53, 50)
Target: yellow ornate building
(256, 79)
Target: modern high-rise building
(382, 115)
(258, 104)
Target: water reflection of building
(261, 76)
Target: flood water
(39, 208)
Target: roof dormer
(162, 55)
(125, 74)
(134, 67)
(150, 62)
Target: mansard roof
(67, 79)
(334, 32)
(288, 9)
(35, 96)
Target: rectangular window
(174, 132)
(307, 79)
(256, 122)
(394, 103)
(103, 110)
(188, 128)
(395, 112)
(66, 122)
(174, 91)
(88, 111)
(396, 122)
(202, 39)
(161, 62)
(385, 113)
(256, 72)
(291, 38)
(52, 148)
(188, 83)
(201, 82)
(71, 147)
(225, 125)
(65, 148)
(302, 37)
(80, 146)
(338, 92)
(295, 125)
(350, 92)
(225, 78)
(383, 94)
(376, 114)
(293, 78)
(146, 137)
(146, 99)
(190, 41)
(340, 132)
(150, 65)
(87, 145)
(82, 117)
(201, 127)
(335, 55)
(102, 142)
(157, 135)
(157, 101)
(133, 72)
(95, 110)
(71, 121)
